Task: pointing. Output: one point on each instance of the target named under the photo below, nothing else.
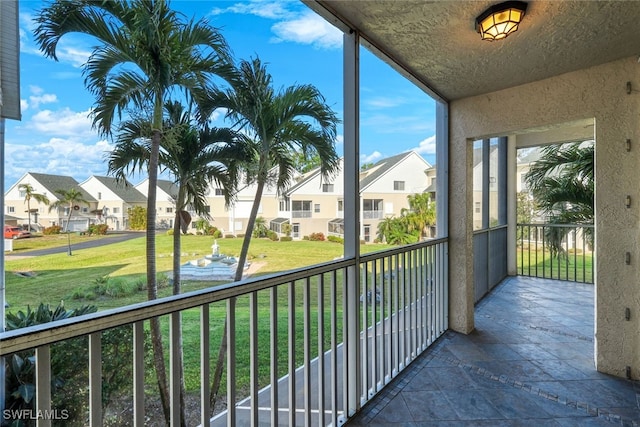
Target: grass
(576, 267)
(114, 275)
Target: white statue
(215, 249)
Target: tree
(195, 158)
(145, 52)
(29, 193)
(137, 218)
(562, 185)
(421, 214)
(70, 199)
(278, 124)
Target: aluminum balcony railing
(304, 347)
(556, 251)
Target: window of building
(22, 194)
(478, 207)
(85, 210)
(398, 185)
(99, 195)
(301, 208)
(11, 209)
(340, 205)
(116, 210)
(169, 210)
(207, 209)
(316, 208)
(283, 204)
(219, 192)
(327, 188)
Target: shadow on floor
(529, 362)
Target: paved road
(111, 238)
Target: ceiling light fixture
(500, 20)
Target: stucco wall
(600, 93)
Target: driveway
(116, 237)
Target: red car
(11, 232)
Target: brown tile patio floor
(529, 362)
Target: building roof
(124, 190)
(52, 183)
(168, 187)
(383, 166)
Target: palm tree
(278, 124)
(69, 199)
(195, 158)
(562, 185)
(145, 52)
(421, 213)
(29, 193)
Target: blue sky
(299, 47)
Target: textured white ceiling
(437, 43)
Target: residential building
(553, 93)
(166, 194)
(82, 215)
(115, 198)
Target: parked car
(11, 232)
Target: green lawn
(40, 241)
(576, 267)
(62, 277)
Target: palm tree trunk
(29, 212)
(152, 286)
(69, 235)
(242, 259)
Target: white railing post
(95, 379)
(138, 374)
(43, 384)
(205, 367)
(352, 222)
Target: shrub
(170, 232)
(335, 239)
(229, 236)
(68, 383)
(217, 234)
(54, 229)
(99, 229)
(286, 238)
(316, 237)
(272, 235)
(211, 231)
(305, 238)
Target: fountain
(216, 266)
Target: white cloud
(63, 122)
(59, 156)
(24, 105)
(371, 158)
(46, 98)
(427, 146)
(308, 28)
(339, 139)
(264, 9)
(383, 102)
(68, 52)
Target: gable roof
(59, 182)
(124, 190)
(385, 165)
(168, 187)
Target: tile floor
(529, 362)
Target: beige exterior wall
(599, 93)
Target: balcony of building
(337, 335)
